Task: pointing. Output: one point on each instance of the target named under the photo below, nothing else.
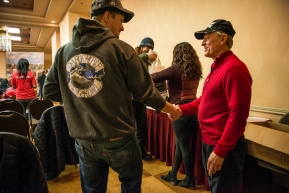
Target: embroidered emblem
(112, 3)
(211, 25)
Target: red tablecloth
(161, 144)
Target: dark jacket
(56, 147)
(20, 167)
(40, 81)
(4, 84)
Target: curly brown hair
(185, 56)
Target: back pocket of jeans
(120, 156)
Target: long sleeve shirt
(181, 90)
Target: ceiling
(34, 17)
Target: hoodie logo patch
(84, 74)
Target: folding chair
(36, 108)
(11, 105)
(14, 122)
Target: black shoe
(147, 157)
(170, 178)
(186, 183)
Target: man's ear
(106, 16)
(224, 39)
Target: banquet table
(161, 144)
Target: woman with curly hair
(25, 82)
(183, 78)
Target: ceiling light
(15, 38)
(13, 30)
(6, 1)
(52, 21)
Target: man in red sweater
(222, 109)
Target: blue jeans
(40, 94)
(122, 155)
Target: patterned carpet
(68, 181)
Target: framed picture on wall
(36, 60)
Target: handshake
(174, 112)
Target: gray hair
(229, 41)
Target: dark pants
(141, 123)
(25, 104)
(229, 178)
(183, 129)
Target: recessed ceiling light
(13, 30)
(52, 21)
(15, 38)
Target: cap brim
(200, 34)
(128, 15)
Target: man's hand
(177, 115)
(152, 56)
(173, 111)
(214, 164)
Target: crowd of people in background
(8, 92)
(24, 85)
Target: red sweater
(225, 103)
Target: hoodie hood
(88, 34)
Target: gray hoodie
(94, 75)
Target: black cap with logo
(101, 6)
(219, 24)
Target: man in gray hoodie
(95, 75)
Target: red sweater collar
(220, 58)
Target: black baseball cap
(101, 6)
(219, 24)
